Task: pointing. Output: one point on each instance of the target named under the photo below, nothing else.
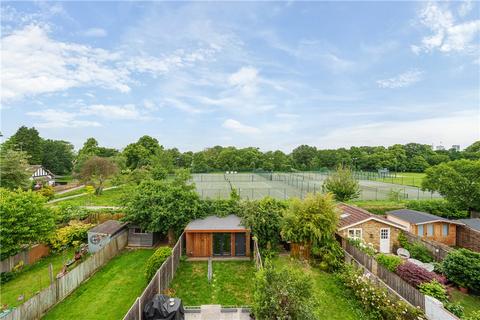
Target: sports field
(288, 185)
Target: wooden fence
(28, 256)
(438, 250)
(36, 306)
(159, 282)
(256, 255)
(390, 280)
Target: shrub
(417, 249)
(420, 252)
(48, 192)
(388, 261)
(330, 256)
(456, 308)
(70, 235)
(156, 261)
(377, 301)
(475, 315)
(416, 275)
(462, 267)
(366, 248)
(67, 212)
(438, 207)
(342, 184)
(6, 276)
(283, 294)
(434, 289)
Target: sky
(272, 75)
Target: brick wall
(371, 233)
(468, 238)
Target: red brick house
(356, 223)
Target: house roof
(351, 216)
(231, 222)
(31, 169)
(473, 223)
(109, 227)
(418, 217)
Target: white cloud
(128, 111)
(33, 63)
(447, 35)
(95, 33)
(457, 128)
(402, 80)
(51, 118)
(239, 127)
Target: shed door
(240, 248)
(385, 240)
(221, 244)
(202, 244)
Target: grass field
(469, 302)
(334, 300)
(379, 206)
(70, 193)
(32, 279)
(232, 283)
(405, 178)
(109, 293)
(110, 197)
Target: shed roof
(109, 227)
(351, 216)
(231, 222)
(473, 223)
(418, 217)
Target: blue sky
(271, 74)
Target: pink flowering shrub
(416, 275)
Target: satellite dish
(403, 253)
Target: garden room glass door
(221, 244)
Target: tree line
(59, 156)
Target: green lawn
(110, 197)
(109, 293)
(70, 193)
(232, 283)
(405, 178)
(335, 301)
(469, 302)
(32, 279)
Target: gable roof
(231, 222)
(33, 168)
(473, 223)
(418, 217)
(109, 227)
(351, 216)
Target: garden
(231, 283)
(110, 292)
(455, 281)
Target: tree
(164, 206)
(25, 220)
(457, 181)
(474, 147)
(140, 153)
(283, 294)
(29, 141)
(264, 218)
(13, 169)
(342, 184)
(58, 156)
(96, 170)
(311, 221)
(303, 157)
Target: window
(355, 234)
(420, 230)
(139, 230)
(430, 229)
(445, 229)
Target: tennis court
(282, 185)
